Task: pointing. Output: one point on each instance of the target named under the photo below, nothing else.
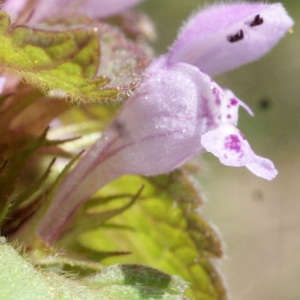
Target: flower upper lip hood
(178, 111)
(226, 36)
(92, 8)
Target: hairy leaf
(19, 279)
(62, 63)
(134, 282)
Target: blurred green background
(259, 221)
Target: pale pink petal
(230, 106)
(106, 8)
(262, 167)
(92, 8)
(14, 7)
(226, 36)
(231, 147)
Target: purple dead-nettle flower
(179, 110)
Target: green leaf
(17, 276)
(19, 279)
(63, 63)
(134, 282)
(162, 229)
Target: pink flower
(179, 110)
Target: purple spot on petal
(233, 101)
(216, 92)
(228, 116)
(233, 142)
